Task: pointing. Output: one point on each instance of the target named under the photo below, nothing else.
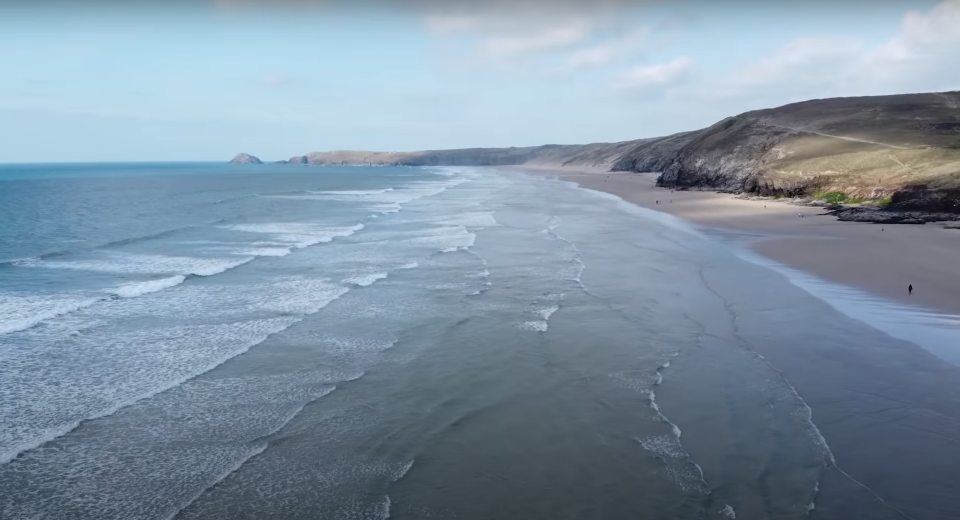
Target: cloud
(451, 23)
(658, 76)
(610, 51)
(236, 5)
(552, 38)
(924, 55)
(506, 30)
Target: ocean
(183, 341)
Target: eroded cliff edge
(903, 150)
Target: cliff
(868, 147)
(601, 155)
(902, 150)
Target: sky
(203, 80)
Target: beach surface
(881, 259)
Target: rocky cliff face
(245, 158)
(867, 147)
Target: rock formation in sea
(245, 158)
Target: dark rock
(281, 161)
(920, 198)
(299, 159)
(885, 216)
(245, 158)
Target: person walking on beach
(910, 288)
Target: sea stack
(245, 158)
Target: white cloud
(235, 5)
(609, 51)
(661, 75)
(506, 31)
(549, 39)
(923, 56)
(452, 23)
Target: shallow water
(200, 341)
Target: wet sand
(887, 407)
(881, 259)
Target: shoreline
(879, 259)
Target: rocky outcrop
(653, 155)
(887, 216)
(245, 158)
(922, 198)
(299, 159)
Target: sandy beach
(880, 259)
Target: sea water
(246, 341)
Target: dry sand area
(882, 259)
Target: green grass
(884, 201)
(832, 197)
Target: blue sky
(204, 80)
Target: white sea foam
(410, 265)
(25, 261)
(679, 468)
(816, 491)
(124, 263)
(652, 399)
(546, 313)
(352, 192)
(476, 219)
(386, 208)
(354, 345)
(263, 251)
(229, 416)
(446, 239)
(253, 452)
(540, 325)
(142, 362)
(403, 471)
(533, 326)
(389, 200)
(462, 243)
(22, 312)
(363, 280)
(59, 409)
(728, 512)
(298, 234)
(134, 289)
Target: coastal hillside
(602, 155)
(901, 149)
(864, 148)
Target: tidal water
(183, 341)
